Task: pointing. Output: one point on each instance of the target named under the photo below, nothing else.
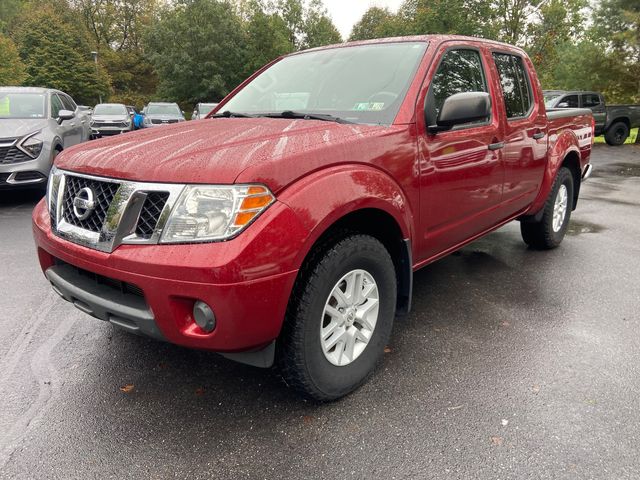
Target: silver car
(162, 113)
(35, 125)
(201, 110)
(110, 119)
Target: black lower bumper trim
(124, 310)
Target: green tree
(319, 30)
(12, 70)
(268, 36)
(468, 17)
(198, 49)
(376, 23)
(557, 24)
(617, 28)
(57, 53)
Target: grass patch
(631, 139)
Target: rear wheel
(339, 319)
(617, 134)
(550, 230)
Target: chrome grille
(104, 193)
(120, 212)
(109, 124)
(150, 214)
(10, 155)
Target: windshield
(163, 110)
(550, 98)
(361, 84)
(21, 105)
(206, 108)
(104, 109)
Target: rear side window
(515, 85)
(68, 103)
(590, 100)
(459, 71)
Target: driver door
(462, 173)
(64, 129)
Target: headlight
(31, 145)
(214, 212)
(52, 186)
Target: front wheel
(339, 319)
(550, 230)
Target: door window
(571, 101)
(56, 106)
(516, 89)
(67, 102)
(459, 71)
(590, 100)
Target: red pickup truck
(285, 228)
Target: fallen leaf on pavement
(128, 388)
(199, 391)
(387, 349)
(496, 440)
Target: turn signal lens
(259, 201)
(243, 218)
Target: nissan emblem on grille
(84, 203)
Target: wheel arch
(623, 119)
(361, 200)
(572, 163)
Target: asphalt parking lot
(513, 364)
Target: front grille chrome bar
(122, 217)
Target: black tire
(299, 355)
(616, 134)
(541, 235)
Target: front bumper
(108, 131)
(246, 281)
(27, 174)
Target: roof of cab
(414, 38)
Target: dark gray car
(162, 113)
(613, 121)
(35, 125)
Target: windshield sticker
(369, 106)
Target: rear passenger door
(461, 169)
(525, 131)
(595, 103)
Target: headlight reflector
(31, 145)
(214, 212)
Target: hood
(274, 151)
(19, 127)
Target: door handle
(538, 136)
(496, 146)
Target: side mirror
(65, 115)
(462, 108)
(563, 105)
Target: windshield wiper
(228, 114)
(306, 116)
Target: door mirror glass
(461, 108)
(563, 105)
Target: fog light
(204, 316)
